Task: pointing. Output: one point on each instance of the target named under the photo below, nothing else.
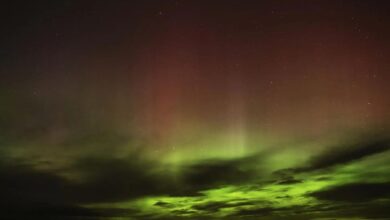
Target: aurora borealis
(195, 110)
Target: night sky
(195, 110)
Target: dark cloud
(288, 181)
(347, 154)
(33, 194)
(285, 177)
(213, 207)
(355, 192)
(337, 210)
(26, 191)
(134, 177)
(341, 155)
(373, 210)
(21, 184)
(318, 211)
(258, 212)
(104, 180)
(47, 211)
(120, 179)
(36, 195)
(163, 204)
(213, 173)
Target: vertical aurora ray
(237, 113)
